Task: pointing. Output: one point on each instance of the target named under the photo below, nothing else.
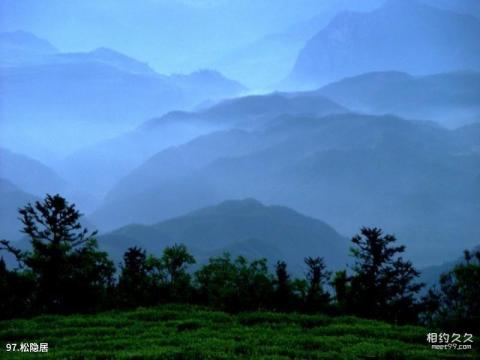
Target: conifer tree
(383, 283)
(69, 272)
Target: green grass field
(188, 332)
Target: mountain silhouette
(21, 47)
(70, 100)
(402, 35)
(175, 128)
(12, 199)
(451, 99)
(28, 174)
(241, 227)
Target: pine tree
(317, 298)
(283, 294)
(383, 283)
(69, 271)
(134, 285)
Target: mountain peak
(405, 35)
(244, 206)
(242, 203)
(122, 61)
(105, 50)
(242, 227)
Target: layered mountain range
(379, 127)
(413, 178)
(175, 128)
(99, 94)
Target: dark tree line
(65, 272)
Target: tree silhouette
(317, 276)
(283, 293)
(134, 284)
(70, 273)
(382, 285)
(340, 285)
(174, 261)
(459, 295)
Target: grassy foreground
(189, 332)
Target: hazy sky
(172, 35)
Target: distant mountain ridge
(242, 227)
(431, 275)
(175, 128)
(263, 63)
(253, 111)
(21, 47)
(451, 99)
(108, 57)
(28, 174)
(12, 199)
(402, 35)
(71, 100)
(34, 178)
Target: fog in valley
(269, 129)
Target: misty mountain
(469, 7)
(415, 179)
(207, 85)
(69, 100)
(28, 174)
(105, 56)
(402, 35)
(253, 112)
(12, 199)
(241, 227)
(175, 36)
(37, 179)
(268, 60)
(263, 63)
(452, 99)
(112, 159)
(470, 135)
(20, 47)
(431, 275)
